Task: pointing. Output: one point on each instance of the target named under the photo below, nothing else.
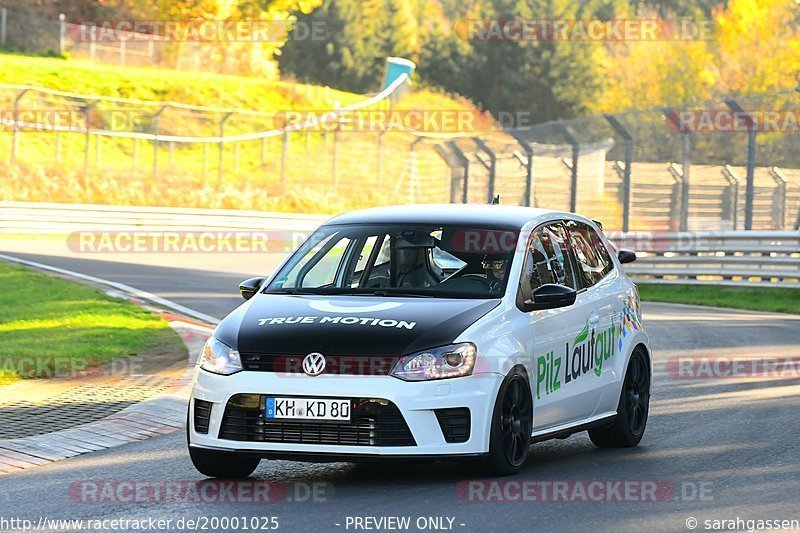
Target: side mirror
(626, 256)
(250, 287)
(551, 296)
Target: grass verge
(780, 300)
(51, 326)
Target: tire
(512, 423)
(225, 465)
(632, 410)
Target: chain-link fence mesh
(636, 170)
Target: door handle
(594, 319)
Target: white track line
(133, 291)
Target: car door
(601, 288)
(549, 260)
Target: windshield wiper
(292, 292)
(380, 292)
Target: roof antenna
(496, 200)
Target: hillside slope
(320, 174)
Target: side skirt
(564, 433)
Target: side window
(592, 257)
(547, 259)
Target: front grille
(374, 422)
(346, 365)
(455, 424)
(202, 414)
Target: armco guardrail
(58, 219)
(725, 258)
(722, 258)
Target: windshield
(403, 260)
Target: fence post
(62, 33)
(528, 166)
(626, 177)
(677, 175)
(749, 188)
(573, 167)
(465, 165)
(733, 184)
(85, 113)
(3, 26)
(135, 153)
(284, 152)
(155, 138)
(263, 152)
(221, 147)
(380, 157)
(491, 167)
(97, 152)
(334, 169)
(15, 131)
(414, 188)
(452, 166)
(779, 211)
(92, 47)
(58, 147)
(685, 184)
(122, 50)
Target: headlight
(438, 363)
(219, 358)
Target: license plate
(307, 409)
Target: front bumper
(416, 402)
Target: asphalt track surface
(716, 448)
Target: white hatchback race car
(436, 331)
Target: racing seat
(411, 267)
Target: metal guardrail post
(156, 131)
(750, 188)
(221, 146)
(627, 193)
(733, 183)
(528, 166)
(491, 167)
(465, 165)
(85, 113)
(779, 211)
(573, 167)
(15, 131)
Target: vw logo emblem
(314, 364)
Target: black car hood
(347, 325)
